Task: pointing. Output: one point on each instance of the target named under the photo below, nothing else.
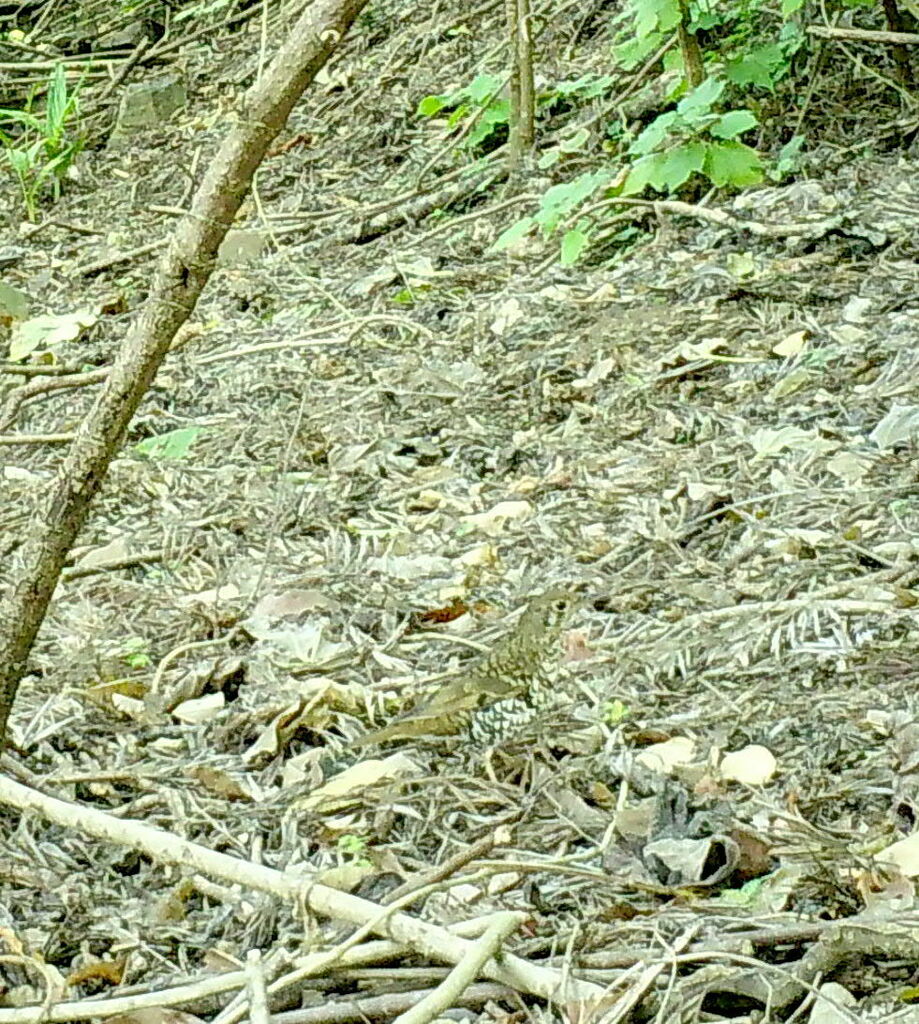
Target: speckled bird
(497, 695)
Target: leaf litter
(712, 437)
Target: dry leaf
(664, 757)
(111, 972)
(221, 783)
(200, 709)
(904, 854)
(754, 765)
(156, 1015)
(353, 782)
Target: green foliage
(556, 205)
(694, 139)
(41, 152)
(352, 849)
(788, 160)
(740, 37)
(135, 652)
(746, 51)
(482, 97)
(587, 87)
(614, 712)
(174, 444)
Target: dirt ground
(706, 431)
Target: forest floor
(389, 440)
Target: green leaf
(57, 166)
(482, 87)
(512, 235)
(175, 444)
(733, 163)
(748, 70)
(494, 116)
(56, 108)
(431, 105)
(700, 100)
(458, 114)
(632, 52)
(733, 123)
(21, 117)
(649, 170)
(655, 16)
(652, 137)
(707, 20)
(645, 18)
(790, 7)
(681, 163)
(559, 200)
(574, 243)
(762, 66)
(20, 160)
(614, 712)
(788, 159)
(791, 38)
(587, 86)
(668, 14)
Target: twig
(13, 439)
(296, 888)
(865, 35)
(124, 256)
(385, 1006)
(461, 977)
(305, 967)
(646, 978)
(112, 564)
(256, 990)
(480, 849)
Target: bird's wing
(445, 712)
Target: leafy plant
(46, 147)
(614, 712)
(694, 139)
(789, 159)
(481, 96)
(174, 444)
(740, 36)
(352, 848)
(484, 97)
(691, 139)
(558, 204)
(135, 652)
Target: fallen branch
(865, 35)
(363, 1008)
(466, 971)
(298, 889)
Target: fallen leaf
(664, 757)
(199, 709)
(353, 782)
(753, 765)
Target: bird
(495, 696)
